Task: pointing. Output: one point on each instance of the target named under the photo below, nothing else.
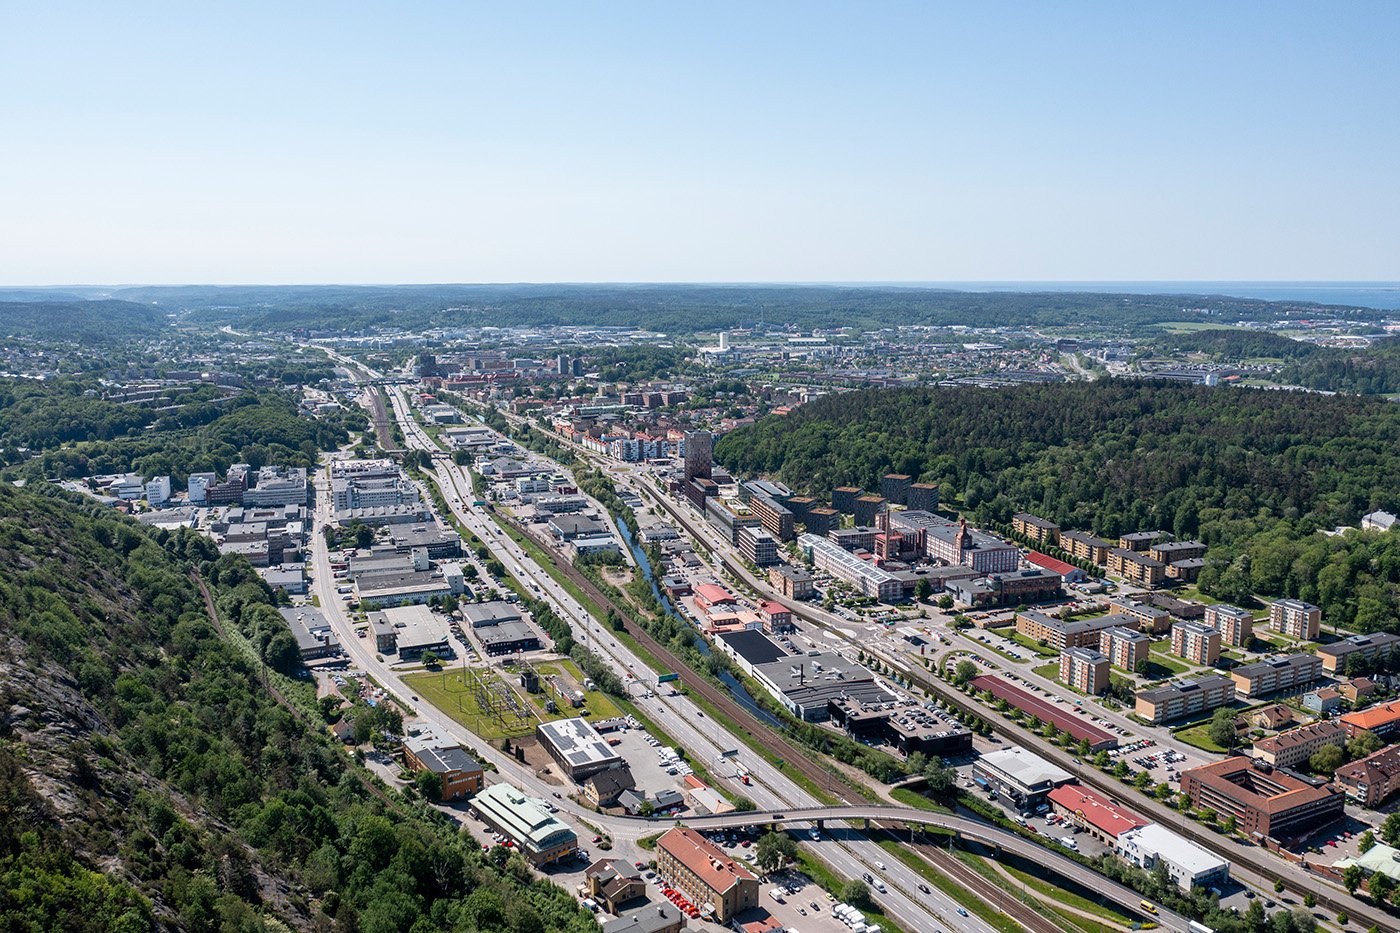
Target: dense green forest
(1252, 473)
(675, 308)
(1233, 345)
(88, 322)
(1374, 370)
(78, 434)
(149, 780)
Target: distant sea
(1381, 295)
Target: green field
(1172, 665)
(1025, 641)
(1049, 671)
(1065, 896)
(598, 703)
(1187, 327)
(917, 800)
(1199, 736)
(446, 691)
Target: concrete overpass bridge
(986, 833)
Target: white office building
(158, 491)
(1188, 865)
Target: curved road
(972, 829)
(771, 788)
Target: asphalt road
(682, 720)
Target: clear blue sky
(357, 142)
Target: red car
(597, 838)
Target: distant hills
(671, 308)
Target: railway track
(794, 757)
(988, 891)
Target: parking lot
(654, 766)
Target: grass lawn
(1025, 641)
(1067, 919)
(1050, 671)
(1159, 662)
(1193, 592)
(446, 690)
(825, 878)
(911, 798)
(598, 703)
(1061, 895)
(1199, 736)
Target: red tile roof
(1374, 717)
(1102, 814)
(718, 871)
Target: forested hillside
(207, 432)
(1374, 370)
(149, 780)
(1249, 472)
(678, 308)
(88, 322)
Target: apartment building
(1370, 781)
(1040, 530)
(1383, 720)
(1136, 567)
(705, 874)
(791, 582)
(1084, 669)
(1362, 647)
(1151, 619)
(1085, 546)
(820, 520)
(1275, 675)
(1294, 747)
(776, 518)
(1187, 698)
(1124, 647)
(843, 499)
(921, 496)
(1064, 633)
(1295, 618)
(1196, 642)
(895, 487)
(1141, 540)
(867, 508)
(1169, 552)
(1235, 625)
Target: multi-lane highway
(686, 723)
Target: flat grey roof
(578, 742)
(490, 613)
